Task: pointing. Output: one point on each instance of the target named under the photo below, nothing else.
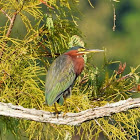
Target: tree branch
(5, 14)
(46, 4)
(7, 109)
(12, 21)
(11, 24)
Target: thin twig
(46, 4)
(124, 77)
(13, 21)
(120, 79)
(11, 25)
(114, 16)
(6, 14)
(101, 127)
(7, 109)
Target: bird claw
(64, 114)
(57, 113)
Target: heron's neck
(78, 61)
(78, 64)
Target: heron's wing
(59, 78)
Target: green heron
(62, 74)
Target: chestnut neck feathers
(78, 61)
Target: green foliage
(24, 56)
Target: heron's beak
(91, 51)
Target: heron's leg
(67, 93)
(56, 110)
(66, 107)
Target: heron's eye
(81, 49)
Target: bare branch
(114, 18)
(7, 109)
(46, 4)
(114, 15)
(6, 14)
(13, 21)
(11, 24)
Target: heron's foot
(56, 113)
(64, 114)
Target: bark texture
(7, 109)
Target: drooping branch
(7, 109)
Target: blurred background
(96, 24)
